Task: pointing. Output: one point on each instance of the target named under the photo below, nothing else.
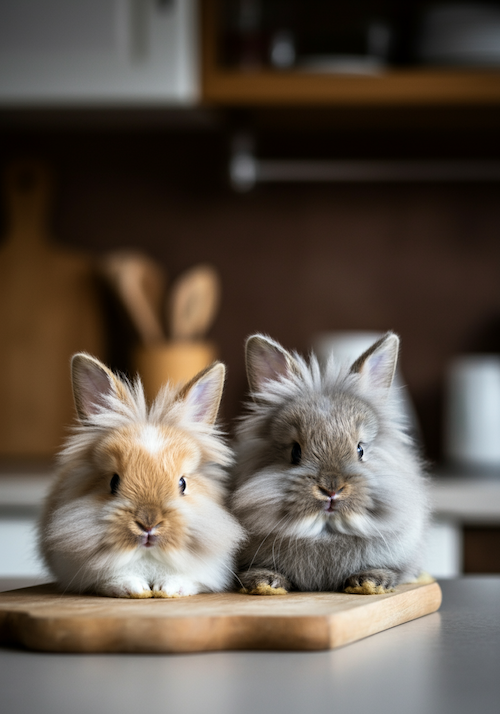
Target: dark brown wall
(423, 260)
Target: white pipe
(246, 171)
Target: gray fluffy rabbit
(327, 481)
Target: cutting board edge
(411, 604)
(215, 633)
(169, 636)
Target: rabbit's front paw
(174, 587)
(127, 586)
(260, 581)
(371, 582)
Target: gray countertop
(444, 662)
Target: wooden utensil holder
(175, 361)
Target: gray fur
(377, 522)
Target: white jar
(472, 411)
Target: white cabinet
(98, 52)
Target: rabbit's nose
(147, 528)
(329, 494)
(149, 537)
(148, 518)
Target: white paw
(174, 587)
(127, 586)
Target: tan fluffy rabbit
(138, 507)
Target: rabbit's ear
(266, 360)
(92, 383)
(378, 364)
(203, 393)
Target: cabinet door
(102, 52)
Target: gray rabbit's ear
(202, 395)
(266, 360)
(377, 365)
(92, 383)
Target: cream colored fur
(138, 506)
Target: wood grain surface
(48, 310)
(41, 618)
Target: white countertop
(467, 499)
(23, 491)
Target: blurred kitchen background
(324, 166)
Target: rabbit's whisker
(225, 566)
(265, 538)
(283, 534)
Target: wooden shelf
(408, 87)
(397, 87)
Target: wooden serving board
(41, 618)
(49, 309)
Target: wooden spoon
(193, 303)
(139, 283)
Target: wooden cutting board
(48, 310)
(40, 618)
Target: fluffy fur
(327, 481)
(138, 507)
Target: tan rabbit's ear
(203, 393)
(92, 382)
(266, 360)
(378, 364)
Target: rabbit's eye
(114, 483)
(296, 453)
(361, 451)
(182, 484)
